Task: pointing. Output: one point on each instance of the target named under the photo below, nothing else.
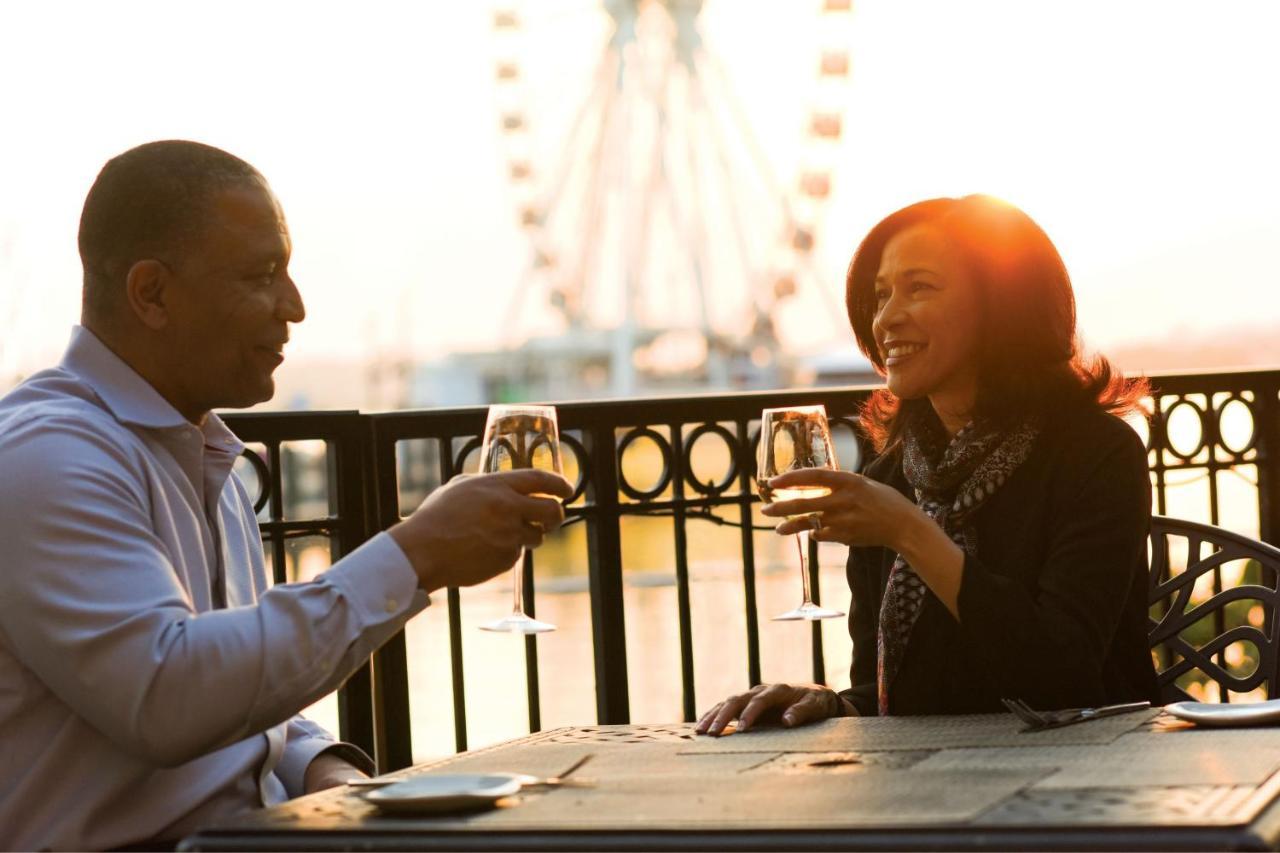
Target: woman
(998, 541)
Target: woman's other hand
(792, 705)
(858, 511)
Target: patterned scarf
(952, 480)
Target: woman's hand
(792, 705)
(858, 511)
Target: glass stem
(802, 542)
(517, 574)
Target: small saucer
(444, 794)
(1232, 714)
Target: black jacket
(1053, 609)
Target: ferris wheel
(671, 163)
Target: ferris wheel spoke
(554, 205)
(589, 246)
(683, 225)
(697, 233)
(835, 309)
(800, 243)
(547, 210)
(599, 91)
(656, 182)
(515, 306)
(762, 164)
(728, 180)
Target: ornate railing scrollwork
(664, 478)
(263, 475)
(711, 488)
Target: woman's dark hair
(1029, 362)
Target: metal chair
(1195, 621)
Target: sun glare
(1139, 135)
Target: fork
(526, 781)
(561, 779)
(1037, 720)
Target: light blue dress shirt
(133, 706)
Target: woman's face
(926, 321)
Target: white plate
(1214, 714)
(446, 793)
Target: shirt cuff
(298, 755)
(292, 769)
(379, 581)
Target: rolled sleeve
(306, 741)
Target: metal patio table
(1139, 781)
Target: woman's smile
(898, 352)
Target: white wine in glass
(518, 437)
(792, 438)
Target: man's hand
(327, 770)
(473, 527)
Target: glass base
(807, 612)
(518, 623)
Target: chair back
(1213, 604)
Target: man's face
(232, 303)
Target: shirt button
(392, 605)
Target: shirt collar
(130, 398)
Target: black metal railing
(378, 466)
(343, 520)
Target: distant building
(586, 364)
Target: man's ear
(146, 288)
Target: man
(149, 681)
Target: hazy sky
(1142, 135)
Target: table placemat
(1131, 761)
(548, 759)
(882, 734)
(678, 802)
(620, 735)
(516, 757)
(1190, 805)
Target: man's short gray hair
(149, 202)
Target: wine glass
(791, 438)
(520, 437)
